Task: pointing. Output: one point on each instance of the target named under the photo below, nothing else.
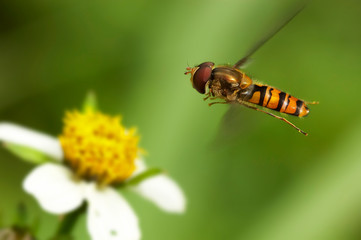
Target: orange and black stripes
(277, 100)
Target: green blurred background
(245, 174)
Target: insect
(231, 84)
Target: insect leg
(212, 103)
(233, 96)
(278, 117)
(207, 96)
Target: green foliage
(21, 219)
(90, 102)
(27, 154)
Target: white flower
(59, 191)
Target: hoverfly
(231, 84)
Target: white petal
(16, 134)
(52, 185)
(164, 192)
(139, 167)
(110, 216)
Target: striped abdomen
(277, 100)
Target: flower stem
(67, 224)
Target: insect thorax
(225, 84)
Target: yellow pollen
(97, 147)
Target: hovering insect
(231, 84)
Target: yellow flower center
(97, 147)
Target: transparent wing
(233, 125)
(267, 37)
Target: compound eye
(202, 75)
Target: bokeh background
(246, 175)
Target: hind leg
(278, 117)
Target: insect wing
(267, 37)
(234, 124)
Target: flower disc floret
(97, 147)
